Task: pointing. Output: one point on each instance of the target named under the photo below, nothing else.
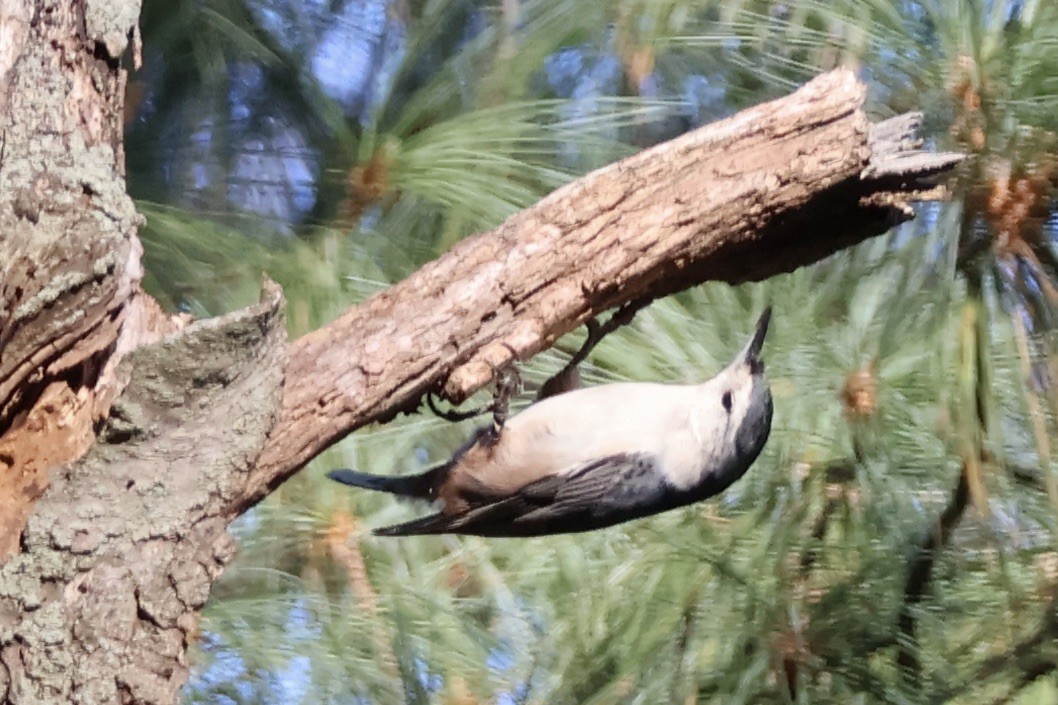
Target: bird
(594, 457)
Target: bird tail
(417, 486)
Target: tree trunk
(116, 482)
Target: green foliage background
(895, 542)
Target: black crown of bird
(594, 457)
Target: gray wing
(602, 493)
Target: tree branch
(743, 199)
(920, 575)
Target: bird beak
(751, 353)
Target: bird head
(743, 397)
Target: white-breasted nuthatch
(595, 457)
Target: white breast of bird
(559, 434)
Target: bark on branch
(766, 191)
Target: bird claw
(451, 415)
(508, 384)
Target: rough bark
(113, 558)
(69, 257)
(121, 551)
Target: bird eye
(726, 401)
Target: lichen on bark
(120, 554)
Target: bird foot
(508, 384)
(567, 378)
